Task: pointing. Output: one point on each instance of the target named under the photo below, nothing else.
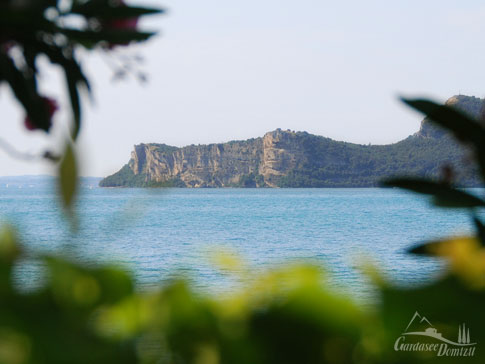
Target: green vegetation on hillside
(126, 178)
(165, 148)
(320, 161)
(123, 178)
(339, 164)
(329, 163)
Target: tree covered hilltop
(284, 158)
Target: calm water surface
(157, 233)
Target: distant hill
(298, 159)
(42, 180)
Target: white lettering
(442, 350)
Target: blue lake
(158, 232)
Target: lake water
(158, 232)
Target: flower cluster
(51, 107)
(120, 24)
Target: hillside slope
(298, 159)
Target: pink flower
(121, 24)
(124, 24)
(51, 107)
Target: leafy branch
(58, 30)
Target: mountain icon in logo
(418, 323)
(421, 326)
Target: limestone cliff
(252, 163)
(214, 165)
(284, 158)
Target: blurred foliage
(94, 314)
(289, 315)
(59, 30)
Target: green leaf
(110, 36)
(75, 78)
(68, 177)
(9, 246)
(107, 11)
(68, 62)
(454, 198)
(424, 248)
(413, 184)
(444, 247)
(464, 128)
(443, 194)
(24, 87)
(10, 251)
(75, 104)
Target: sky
(227, 70)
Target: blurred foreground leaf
(443, 194)
(460, 124)
(466, 129)
(465, 254)
(447, 304)
(106, 10)
(68, 177)
(93, 314)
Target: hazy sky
(225, 70)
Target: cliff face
(296, 159)
(259, 162)
(214, 165)
(282, 152)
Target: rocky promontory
(285, 158)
